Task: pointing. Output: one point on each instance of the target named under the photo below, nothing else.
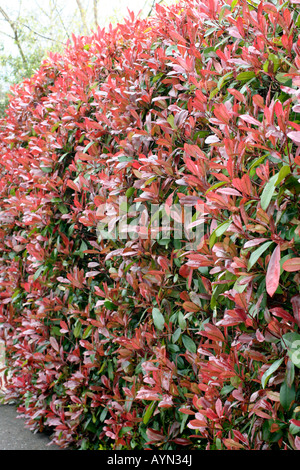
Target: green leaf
(215, 186)
(62, 208)
(183, 423)
(38, 272)
(223, 79)
(245, 75)
(227, 389)
(181, 321)
(222, 228)
(268, 192)
(103, 414)
(149, 412)
(233, 4)
(176, 335)
(110, 305)
(287, 395)
(77, 329)
(256, 254)
(212, 239)
(46, 169)
(210, 31)
(55, 331)
(213, 93)
(293, 429)
(284, 171)
(123, 158)
(269, 189)
(282, 78)
(291, 341)
(87, 147)
(256, 162)
(218, 232)
(81, 249)
(129, 192)
(87, 332)
(270, 371)
(56, 125)
(189, 344)
(158, 319)
(170, 120)
(171, 49)
(63, 157)
(201, 134)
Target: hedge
(145, 340)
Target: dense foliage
(142, 343)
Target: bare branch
(16, 34)
(61, 20)
(6, 34)
(41, 35)
(152, 6)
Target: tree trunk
(96, 13)
(83, 17)
(16, 35)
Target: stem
(16, 35)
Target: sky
(108, 10)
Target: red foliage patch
(145, 341)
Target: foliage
(33, 32)
(143, 343)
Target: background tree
(28, 30)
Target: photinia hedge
(151, 342)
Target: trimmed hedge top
(143, 342)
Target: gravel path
(13, 434)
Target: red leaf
(182, 441)
(280, 312)
(259, 101)
(291, 265)
(229, 443)
(295, 136)
(155, 436)
(73, 185)
(295, 422)
(259, 336)
(240, 437)
(254, 242)
(212, 332)
(221, 112)
(296, 308)
(54, 343)
(219, 408)
(238, 95)
(64, 327)
(273, 272)
(196, 423)
(186, 411)
(250, 119)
